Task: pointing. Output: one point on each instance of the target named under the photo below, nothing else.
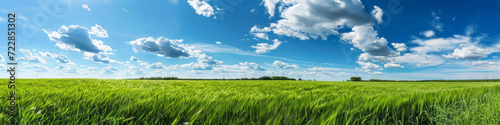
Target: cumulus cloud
(218, 42)
(133, 58)
(420, 60)
(377, 13)
(368, 66)
(270, 6)
(401, 47)
(265, 47)
(203, 58)
(306, 19)
(37, 68)
(470, 53)
(251, 65)
(260, 33)
(485, 63)
(32, 57)
(365, 57)
(60, 58)
(428, 33)
(109, 70)
(202, 7)
(100, 58)
(99, 31)
(157, 65)
(440, 44)
(162, 47)
(134, 70)
(321, 69)
(366, 39)
(283, 65)
(68, 68)
(77, 38)
(204, 63)
(393, 65)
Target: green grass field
(93, 101)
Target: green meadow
(200, 102)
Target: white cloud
(100, 58)
(282, 65)
(202, 7)
(393, 65)
(485, 63)
(366, 39)
(77, 38)
(157, 65)
(401, 47)
(109, 70)
(1, 19)
(204, 63)
(162, 47)
(440, 44)
(260, 33)
(265, 47)
(470, 53)
(306, 19)
(251, 65)
(32, 57)
(133, 70)
(368, 66)
(321, 69)
(365, 57)
(133, 58)
(60, 58)
(2, 59)
(218, 42)
(428, 33)
(99, 31)
(420, 60)
(377, 13)
(37, 68)
(270, 6)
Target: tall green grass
(92, 101)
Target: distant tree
(300, 79)
(356, 79)
(265, 78)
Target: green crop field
(95, 101)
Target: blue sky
(309, 39)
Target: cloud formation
(311, 19)
(77, 38)
(366, 39)
(32, 57)
(265, 47)
(202, 7)
(162, 47)
(401, 47)
(470, 53)
(369, 67)
(251, 65)
(283, 65)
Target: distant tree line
(465, 80)
(260, 78)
